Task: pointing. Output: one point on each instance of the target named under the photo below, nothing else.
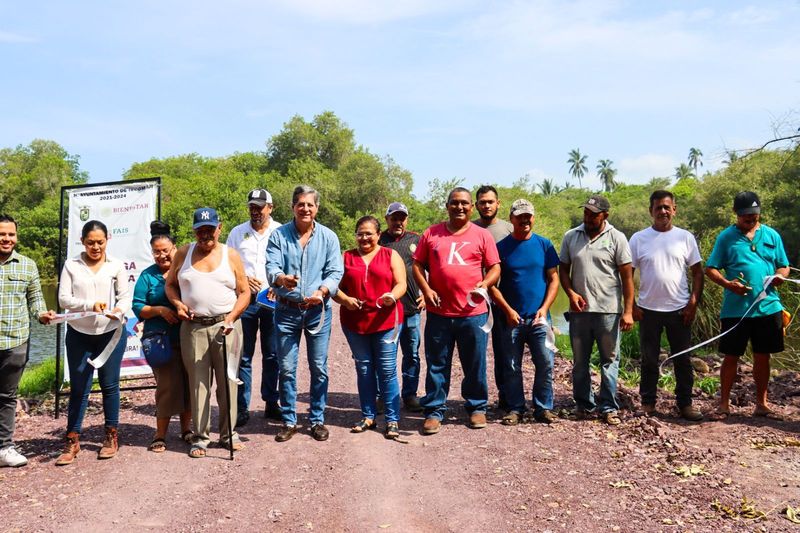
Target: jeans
(680, 338)
(12, 363)
(442, 334)
(584, 330)
(372, 356)
(255, 320)
(290, 323)
(409, 343)
(500, 353)
(514, 341)
(80, 348)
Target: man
(250, 240)
(488, 204)
(405, 243)
(662, 253)
(748, 252)
(456, 254)
(595, 271)
(20, 298)
(208, 287)
(304, 267)
(527, 288)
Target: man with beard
(405, 243)
(663, 253)
(250, 240)
(595, 271)
(488, 203)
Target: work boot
(691, 413)
(110, 444)
(71, 449)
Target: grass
(38, 379)
(708, 384)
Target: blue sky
(482, 90)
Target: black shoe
(242, 419)
(319, 432)
(273, 411)
(412, 404)
(286, 433)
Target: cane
(227, 388)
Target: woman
(94, 282)
(373, 282)
(150, 304)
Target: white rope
(396, 334)
(483, 293)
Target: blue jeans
(80, 348)
(514, 341)
(373, 356)
(584, 330)
(442, 335)
(409, 343)
(255, 320)
(289, 326)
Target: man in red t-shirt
(456, 254)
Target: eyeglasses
(158, 253)
(364, 235)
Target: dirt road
(657, 474)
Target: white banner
(126, 208)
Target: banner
(127, 210)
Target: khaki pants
(202, 357)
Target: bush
(38, 379)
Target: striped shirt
(20, 298)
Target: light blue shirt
(319, 264)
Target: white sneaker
(11, 457)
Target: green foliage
(667, 382)
(708, 384)
(38, 379)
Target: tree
(656, 184)
(577, 165)
(606, 173)
(683, 171)
(325, 139)
(549, 188)
(694, 159)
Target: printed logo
(454, 255)
(205, 215)
(412, 247)
(247, 235)
(84, 213)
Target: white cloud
(642, 168)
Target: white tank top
(208, 293)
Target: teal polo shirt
(755, 259)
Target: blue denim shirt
(318, 264)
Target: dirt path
(565, 477)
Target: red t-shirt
(368, 283)
(456, 264)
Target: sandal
(158, 446)
(197, 451)
(187, 436)
(363, 425)
(392, 430)
(612, 418)
(768, 413)
(511, 419)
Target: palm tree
(606, 174)
(694, 159)
(577, 165)
(732, 157)
(549, 188)
(683, 171)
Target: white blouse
(80, 288)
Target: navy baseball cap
(205, 216)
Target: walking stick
(227, 388)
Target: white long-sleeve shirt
(80, 288)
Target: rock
(700, 366)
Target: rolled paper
(396, 333)
(68, 317)
(101, 359)
(483, 293)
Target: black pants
(679, 337)
(12, 363)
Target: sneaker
(242, 419)
(691, 413)
(477, 420)
(273, 411)
(546, 417)
(511, 419)
(411, 403)
(9, 456)
(431, 426)
(319, 432)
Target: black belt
(208, 320)
(293, 304)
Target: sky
(488, 91)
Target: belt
(294, 305)
(208, 320)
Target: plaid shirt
(20, 295)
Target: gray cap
(259, 197)
(396, 207)
(596, 204)
(521, 207)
